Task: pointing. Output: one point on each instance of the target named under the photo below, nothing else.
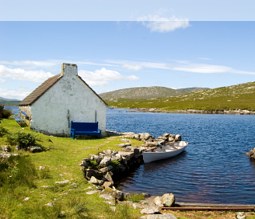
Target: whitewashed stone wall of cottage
(68, 100)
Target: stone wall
(106, 168)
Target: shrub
(12, 139)
(4, 114)
(3, 131)
(23, 140)
(22, 123)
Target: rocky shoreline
(108, 167)
(105, 169)
(194, 111)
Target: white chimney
(69, 69)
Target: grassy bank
(50, 184)
(29, 188)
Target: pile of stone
(150, 141)
(109, 166)
(251, 154)
(153, 204)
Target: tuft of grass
(16, 171)
(44, 172)
(135, 197)
(124, 211)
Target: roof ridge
(45, 86)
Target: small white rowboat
(164, 152)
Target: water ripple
(214, 167)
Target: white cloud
(18, 94)
(211, 69)
(103, 76)
(180, 65)
(30, 64)
(157, 23)
(136, 66)
(202, 68)
(22, 74)
(133, 67)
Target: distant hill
(236, 97)
(146, 93)
(6, 101)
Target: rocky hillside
(146, 93)
(232, 98)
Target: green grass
(136, 197)
(29, 188)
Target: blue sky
(154, 50)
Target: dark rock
(91, 172)
(35, 149)
(137, 152)
(119, 195)
(85, 163)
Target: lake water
(214, 167)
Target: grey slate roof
(39, 91)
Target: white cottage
(61, 99)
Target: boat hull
(150, 156)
